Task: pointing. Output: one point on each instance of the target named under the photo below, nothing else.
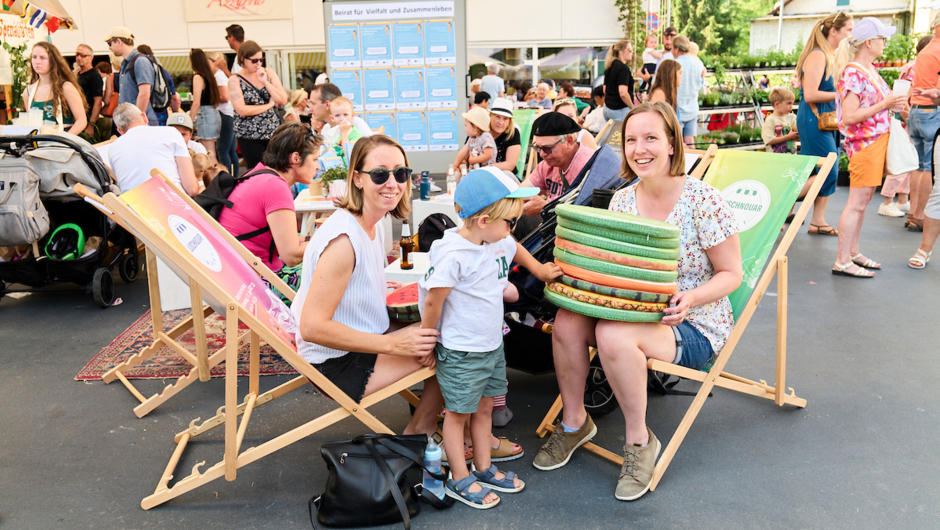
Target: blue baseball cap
(484, 187)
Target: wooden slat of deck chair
(201, 259)
(777, 266)
(603, 131)
(202, 361)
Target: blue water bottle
(432, 461)
(425, 186)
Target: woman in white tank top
(341, 301)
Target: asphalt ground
(862, 454)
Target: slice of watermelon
(404, 300)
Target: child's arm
(461, 156)
(656, 53)
(485, 157)
(782, 139)
(543, 271)
(431, 315)
(433, 304)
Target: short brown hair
(235, 31)
(290, 138)
(352, 202)
(247, 49)
(673, 132)
(779, 94)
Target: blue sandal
(460, 491)
(488, 478)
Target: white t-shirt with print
(472, 314)
(225, 108)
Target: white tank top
(363, 304)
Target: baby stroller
(75, 242)
(528, 345)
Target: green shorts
(468, 377)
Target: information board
(402, 59)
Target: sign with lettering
(392, 10)
(236, 10)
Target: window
(512, 65)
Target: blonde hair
(779, 94)
(819, 38)
(212, 56)
(201, 162)
(341, 101)
(501, 209)
(650, 36)
(844, 55)
(510, 127)
(353, 202)
(673, 132)
(614, 52)
(296, 97)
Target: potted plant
(843, 179)
(334, 182)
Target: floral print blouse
(704, 220)
(860, 82)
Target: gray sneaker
(637, 470)
(561, 445)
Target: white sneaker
(906, 207)
(889, 210)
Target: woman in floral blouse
(698, 321)
(863, 110)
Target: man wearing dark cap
(563, 158)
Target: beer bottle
(407, 244)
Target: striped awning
(309, 61)
(176, 64)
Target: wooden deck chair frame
(716, 376)
(227, 415)
(202, 362)
(599, 135)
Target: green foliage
(899, 47)
(890, 75)
(20, 65)
(719, 27)
(333, 174)
(843, 162)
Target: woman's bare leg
(571, 338)
(623, 348)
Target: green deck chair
(762, 200)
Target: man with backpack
(137, 76)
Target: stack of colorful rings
(616, 266)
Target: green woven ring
(614, 269)
(637, 251)
(604, 313)
(626, 294)
(667, 247)
(617, 221)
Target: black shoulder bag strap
(247, 82)
(264, 229)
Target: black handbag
(373, 480)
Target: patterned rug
(166, 363)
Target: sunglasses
(547, 149)
(380, 175)
(83, 55)
(511, 223)
(669, 34)
(110, 41)
(255, 61)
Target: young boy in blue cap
(462, 295)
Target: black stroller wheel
(129, 268)
(102, 288)
(599, 398)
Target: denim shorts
(350, 373)
(693, 350)
(922, 125)
(689, 128)
(468, 377)
(616, 115)
(208, 123)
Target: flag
(52, 24)
(8, 4)
(35, 16)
